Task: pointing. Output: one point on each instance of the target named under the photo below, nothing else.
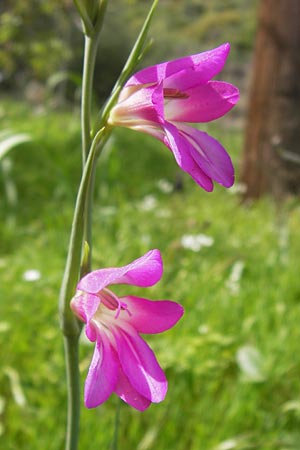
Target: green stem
(91, 42)
(81, 226)
(69, 324)
(73, 377)
(81, 229)
(90, 52)
(70, 279)
(88, 222)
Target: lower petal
(129, 394)
(209, 154)
(182, 151)
(103, 373)
(140, 365)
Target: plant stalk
(73, 377)
(70, 325)
(90, 52)
(92, 143)
(81, 231)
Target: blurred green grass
(233, 361)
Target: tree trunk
(271, 159)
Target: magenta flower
(159, 100)
(123, 363)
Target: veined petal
(209, 154)
(151, 317)
(129, 394)
(140, 365)
(102, 377)
(202, 103)
(181, 149)
(169, 134)
(144, 271)
(206, 64)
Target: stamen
(124, 307)
(174, 93)
(109, 299)
(112, 302)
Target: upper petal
(144, 271)
(206, 64)
(103, 373)
(148, 316)
(203, 103)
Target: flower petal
(130, 395)
(182, 150)
(138, 106)
(103, 373)
(197, 153)
(85, 305)
(206, 64)
(140, 365)
(144, 271)
(203, 104)
(209, 154)
(148, 316)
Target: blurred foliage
(34, 38)
(42, 37)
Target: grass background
(232, 362)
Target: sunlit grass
(214, 400)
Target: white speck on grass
(16, 388)
(238, 188)
(148, 203)
(251, 363)
(165, 186)
(227, 445)
(31, 275)
(203, 329)
(233, 282)
(195, 242)
(108, 211)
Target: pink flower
(123, 363)
(159, 100)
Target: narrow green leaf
(10, 141)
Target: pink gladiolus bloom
(123, 363)
(158, 100)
